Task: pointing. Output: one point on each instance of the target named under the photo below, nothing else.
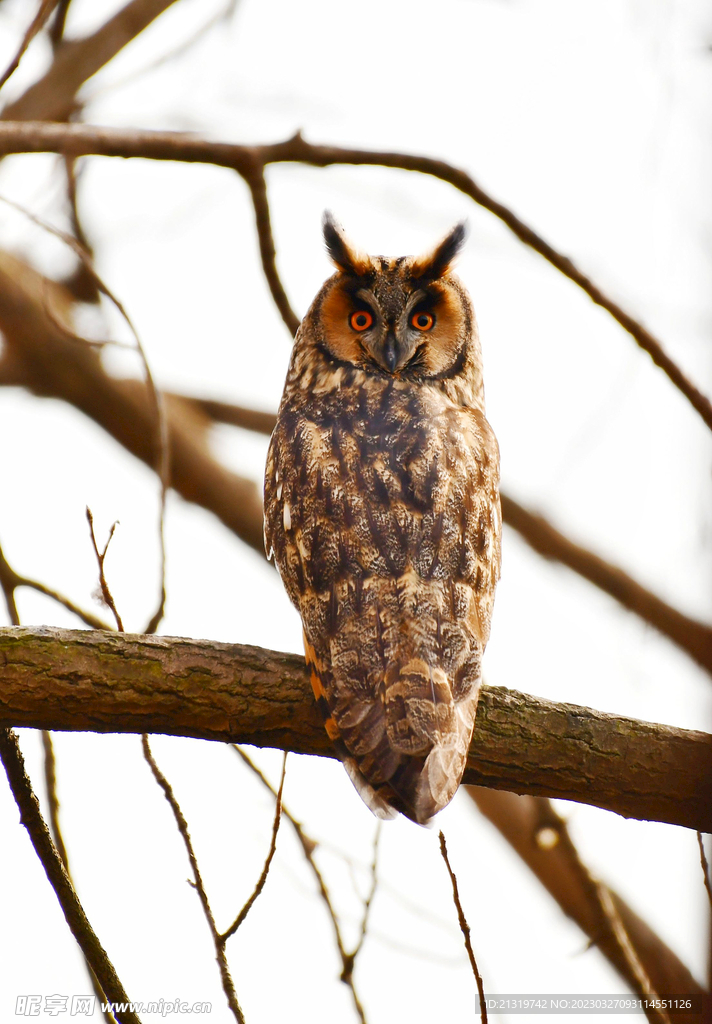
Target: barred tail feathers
(405, 750)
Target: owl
(382, 514)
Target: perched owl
(382, 513)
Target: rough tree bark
(108, 682)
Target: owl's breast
(379, 483)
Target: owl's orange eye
(361, 320)
(422, 321)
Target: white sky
(590, 120)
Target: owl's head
(408, 318)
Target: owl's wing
(391, 554)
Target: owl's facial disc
(390, 328)
(393, 324)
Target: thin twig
(50, 773)
(257, 185)
(43, 12)
(227, 982)
(19, 137)
(40, 837)
(705, 866)
(309, 845)
(10, 581)
(81, 284)
(465, 929)
(265, 870)
(368, 902)
(644, 985)
(104, 591)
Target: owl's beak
(390, 352)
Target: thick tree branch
(105, 682)
(86, 140)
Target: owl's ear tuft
(438, 262)
(342, 253)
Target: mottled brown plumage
(382, 513)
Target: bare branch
(104, 591)
(465, 929)
(50, 773)
(368, 902)
(56, 872)
(705, 866)
(540, 836)
(84, 140)
(255, 180)
(106, 682)
(43, 12)
(265, 870)
(227, 982)
(53, 97)
(10, 581)
(308, 847)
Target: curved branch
(257, 185)
(106, 682)
(86, 140)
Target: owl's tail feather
(414, 771)
(378, 804)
